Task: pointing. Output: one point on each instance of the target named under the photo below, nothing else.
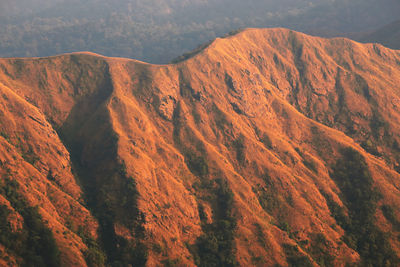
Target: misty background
(158, 31)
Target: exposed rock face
(268, 147)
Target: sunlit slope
(266, 147)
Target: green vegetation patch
(239, 146)
(216, 247)
(273, 201)
(389, 214)
(295, 258)
(360, 197)
(318, 250)
(109, 209)
(34, 243)
(196, 164)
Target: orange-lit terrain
(267, 147)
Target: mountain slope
(266, 147)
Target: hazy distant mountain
(159, 30)
(266, 148)
(344, 16)
(389, 35)
(23, 8)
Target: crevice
(109, 192)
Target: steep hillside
(266, 148)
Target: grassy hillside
(266, 148)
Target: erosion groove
(110, 193)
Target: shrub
(196, 164)
(389, 214)
(295, 258)
(216, 246)
(266, 141)
(239, 147)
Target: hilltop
(157, 31)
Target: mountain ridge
(258, 120)
(233, 34)
(160, 30)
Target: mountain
(157, 31)
(342, 17)
(265, 148)
(389, 35)
(23, 8)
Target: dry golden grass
(292, 100)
